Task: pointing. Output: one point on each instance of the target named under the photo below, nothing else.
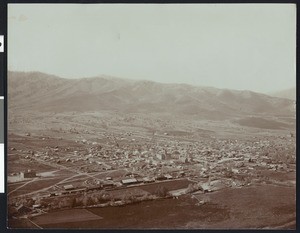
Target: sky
(234, 46)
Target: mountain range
(289, 93)
(37, 91)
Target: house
(129, 181)
(175, 155)
(183, 159)
(68, 187)
(217, 185)
(161, 156)
(108, 185)
(181, 173)
(28, 174)
(36, 206)
(108, 167)
(205, 187)
(161, 178)
(148, 180)
(168, 176)
(235, 171)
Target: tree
(66, 202)
(127, 196)
(161, 191)
(86, 201)
(73, 202)
(79, 201)
(145, 197)
(192, 188)
(29, 202)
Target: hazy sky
(236, 46)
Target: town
(120, 169)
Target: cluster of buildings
(208, 158)
(214, 164)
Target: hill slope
(288, 93)
(42, 92)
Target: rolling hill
(36, 91)
(287, 93)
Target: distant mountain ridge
(41, 92)
(289, 93)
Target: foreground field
(264, 206)
(67, 216)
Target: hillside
(41, 92)
(287, 93)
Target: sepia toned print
(154, 117)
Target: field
(66, 216)
(17, 164)
(33, 186)
(250, 207)
(149, 214)
(264, 206)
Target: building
(129, 181)
(148, 180)
(205, 187)
(108, 185)
(36, 206)
(183, 159)
(168, 176)
(68, 187)
(161, 156)
(162, 177)
(28, 174)
(175, 154)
